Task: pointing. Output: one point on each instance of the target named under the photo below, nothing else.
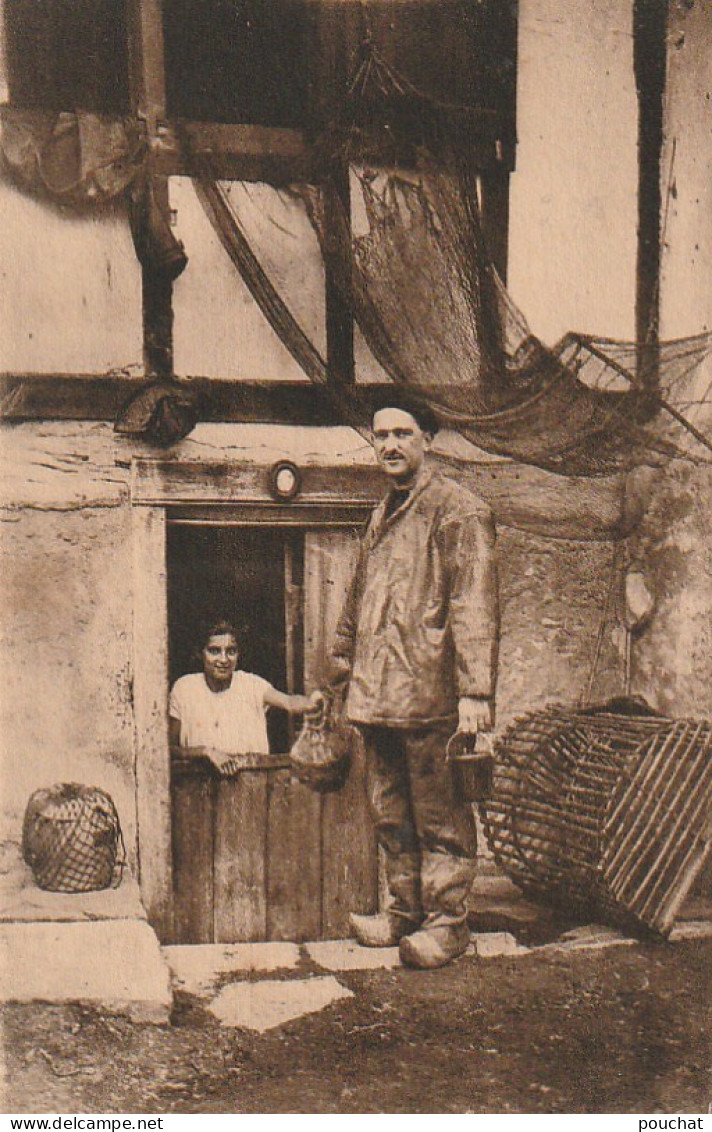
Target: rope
(586, 696)
(237, 246)
(375, 67)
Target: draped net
(439, 320)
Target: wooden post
(148, 98)
(333, 46)
(150, 675)
(494, 208)
(337, 269)
(649, 56)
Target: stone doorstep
(21, 900)
(113, 965)
(198, 967)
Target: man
(416, 648)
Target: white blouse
(232, 720)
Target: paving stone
(196, 968)
(347, 955)
(691, 929)
(115, 965)
(263, 1005)
(591, 937)
(592, 933)
(487, 945)
(496, 895)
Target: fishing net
(439, 320)
(408, 253)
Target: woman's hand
(317, 707)
(220, 759)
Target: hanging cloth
(74, 158)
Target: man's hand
(474, 715)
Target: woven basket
(321, 756)
(71, 839)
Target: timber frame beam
(34, 397)
(277, 156)
(280, 156)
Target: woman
(220, 712)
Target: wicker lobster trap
(605, 811)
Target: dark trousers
(427, 833)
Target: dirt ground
(625, 1029)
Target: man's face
(400, 445)
(220, 658)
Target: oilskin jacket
(419, 628)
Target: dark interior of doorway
(244, 575)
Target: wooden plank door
(193, 802)
(293, 879)
(349, 857)
(240, 858)
(293, 860)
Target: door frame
(235, 493)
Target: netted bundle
(71, 838)
(321, 756)
(603, 813)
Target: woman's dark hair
(218, 628)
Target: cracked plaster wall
(672, 655)
(65, 707)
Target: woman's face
(220, 658)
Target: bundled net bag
(72, 840)
(321, 755)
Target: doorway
(257, 856)
(247, 576)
